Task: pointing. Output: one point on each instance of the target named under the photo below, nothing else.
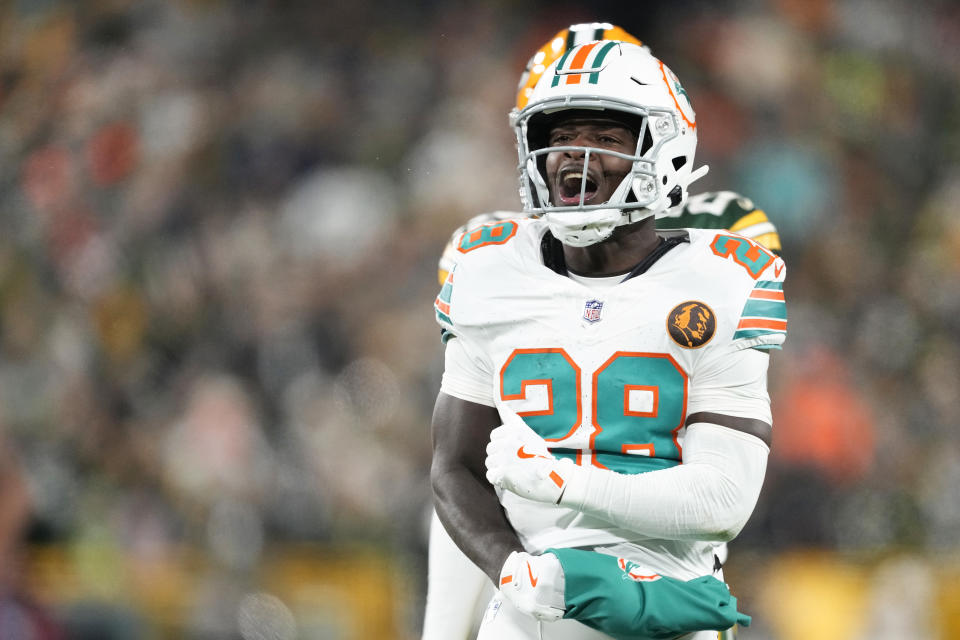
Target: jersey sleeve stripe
(763, 320)
(767, 294)
(765, 309)
(760, 338)
(442, 304)
(762, 323)
(769, 284)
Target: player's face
(565, 169)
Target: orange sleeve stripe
(506, 580)
(767, 294)
(442, 306)
(762, 323)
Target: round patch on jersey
(691, 324)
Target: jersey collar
(551, 252)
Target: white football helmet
(625, 82)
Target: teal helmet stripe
(560, 63)
(595, 77)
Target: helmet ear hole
(678, 162)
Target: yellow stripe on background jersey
(756, 226)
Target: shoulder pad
(449, 256)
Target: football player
(589, 325)
(456, 587)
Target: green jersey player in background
(457, 589)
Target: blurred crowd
(220, 227)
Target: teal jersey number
(554, 369)
(496, 233)
(748, 254)
(633, 439)
(638, 403)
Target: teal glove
(622, 600)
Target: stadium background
(220, 227)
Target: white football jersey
(608, 376)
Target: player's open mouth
(570, 182)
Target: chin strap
(636, 215)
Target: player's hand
(534, 585)
(518, 460)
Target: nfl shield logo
(591, 310)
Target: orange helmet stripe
(561, 43)
(577, 62)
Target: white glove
(534, 585)
(518, 460)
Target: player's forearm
(709, 497)
(471, 514)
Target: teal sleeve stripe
(767, 347)
(442, 317)
(446, 292)
(769, 284)
(595, 77)
(753, 333)
(773, 309)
